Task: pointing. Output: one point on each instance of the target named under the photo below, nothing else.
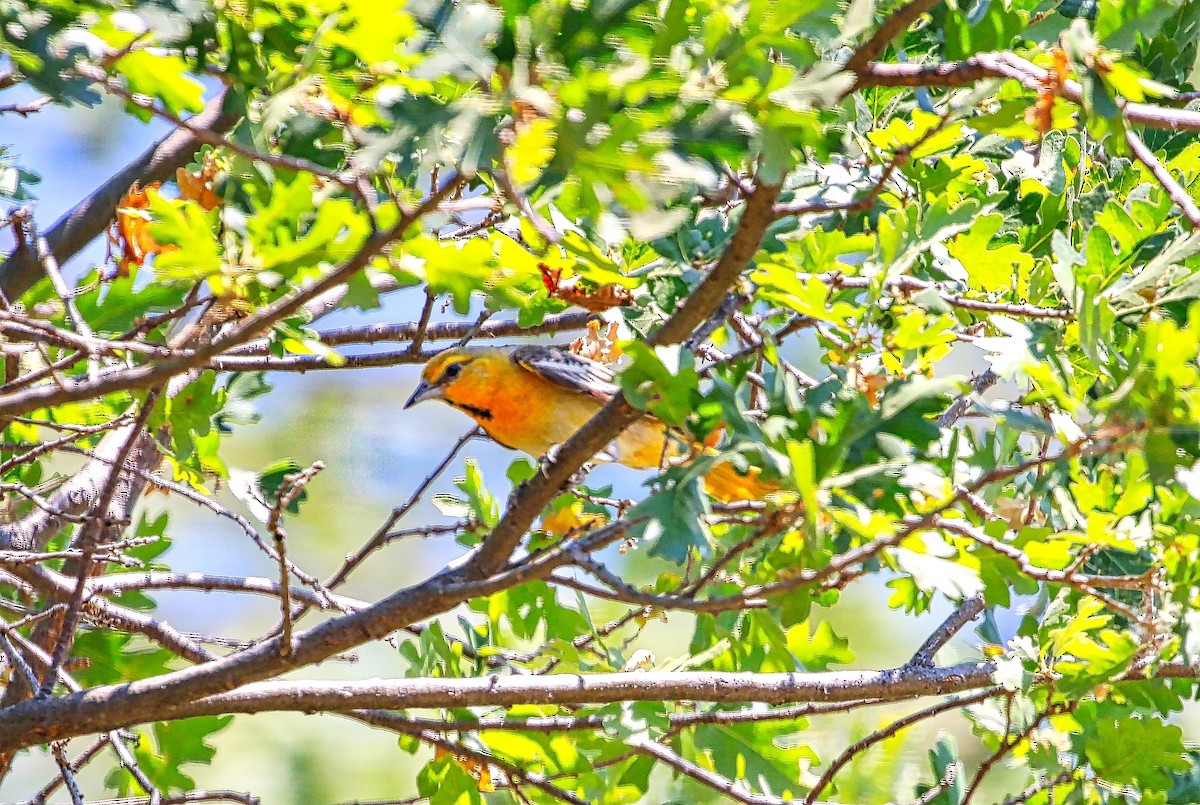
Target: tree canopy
(928, 268)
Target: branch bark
(1008, 65)
(531, 497)
(91, 216)
(39, 721)
(892, 27)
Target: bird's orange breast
(523, 410)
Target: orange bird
(531, 398)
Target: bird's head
(457, 376)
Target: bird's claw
(581, 474)
(551, 457)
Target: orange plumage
(532, 398)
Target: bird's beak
(423, 391)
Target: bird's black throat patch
(481, 413)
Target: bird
(534, 397)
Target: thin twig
(383, 534)
(709, 779)
(1008, 745)
(50, 266)
(130, 764)
(906, 284)
(1175, 190)
(27, 108)
(53, 444)
(966, 612)
(89, 218)
(943, 784)
(517, 196)
(979, 384)
(88, 541)
(57, 749)
(441, 331)
(347, 180)
(289, 491)
(863, 202)
(423, 322)
(17, 661)
(212, 505)
(81, 760)
(887, 732)
(1062, 778)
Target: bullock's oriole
(531, 398)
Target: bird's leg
(552, 456)
(581, 474)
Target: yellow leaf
(531, 150)
(990, 269)
(570, 519)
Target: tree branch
(966, 612)
(1008, 65)
(249, 328)
(90, 217)
(891, 28)
(528, 500)
(1176, 191)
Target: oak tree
(701, 193)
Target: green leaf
(820, 649)
(446, 782)
(673, 521)
(187, 226)
(994, 30)
(662, 380)
(271, 483)
(166, 747)
(1137, 751)
(480, 502)
(945, 761)
(990, 269)
(164, 77)
(765, 755)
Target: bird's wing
(568, 370)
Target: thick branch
(76, 495)
(90, 217)
(531, 497)
(897, 684)
(891, 28)
(1007, 65)
(575, 689)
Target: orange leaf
(597, 300)
(570, 519)
(551, 277)
(1041, 114)
(601, 299)
(1061, 66)
(129, 232)
(601, 348)
(199, 186)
